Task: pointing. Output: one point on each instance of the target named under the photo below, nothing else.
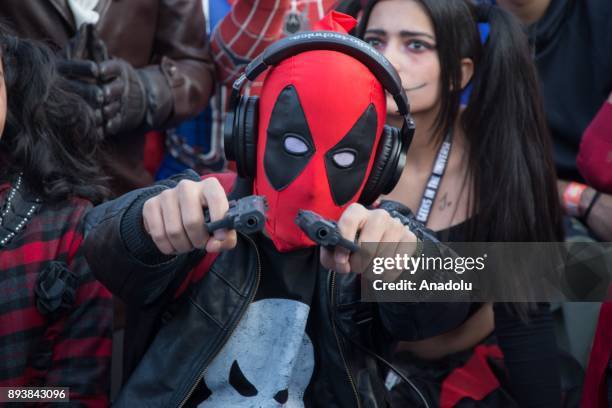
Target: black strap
(433, 184)
(585, 217)
(363, 318)
(390, 366)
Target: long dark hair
(49, 134)
(510, 153)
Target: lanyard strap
(431, 189)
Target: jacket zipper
(348, 372)
(229, 332)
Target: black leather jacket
(171, 341)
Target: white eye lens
(344, 159)
(295, 145)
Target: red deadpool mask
(320, 120)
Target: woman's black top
(529, 345)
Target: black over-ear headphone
(241, 123)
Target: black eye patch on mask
(289, 146)
(347, 162)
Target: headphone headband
(328, 41)
(240, 130)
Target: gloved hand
(114, 90)
(85, 45)
(112, 87)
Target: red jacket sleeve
(595, 156)
(594, 390)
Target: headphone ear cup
(384, 175)
(397, 162)
(240, 135)
(229, 135)
(250, 128)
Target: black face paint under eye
(287, 120)
(344, 182)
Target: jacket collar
(64, 10)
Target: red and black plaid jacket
(43, 341)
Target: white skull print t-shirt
(269, 360)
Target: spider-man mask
(320, 120)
